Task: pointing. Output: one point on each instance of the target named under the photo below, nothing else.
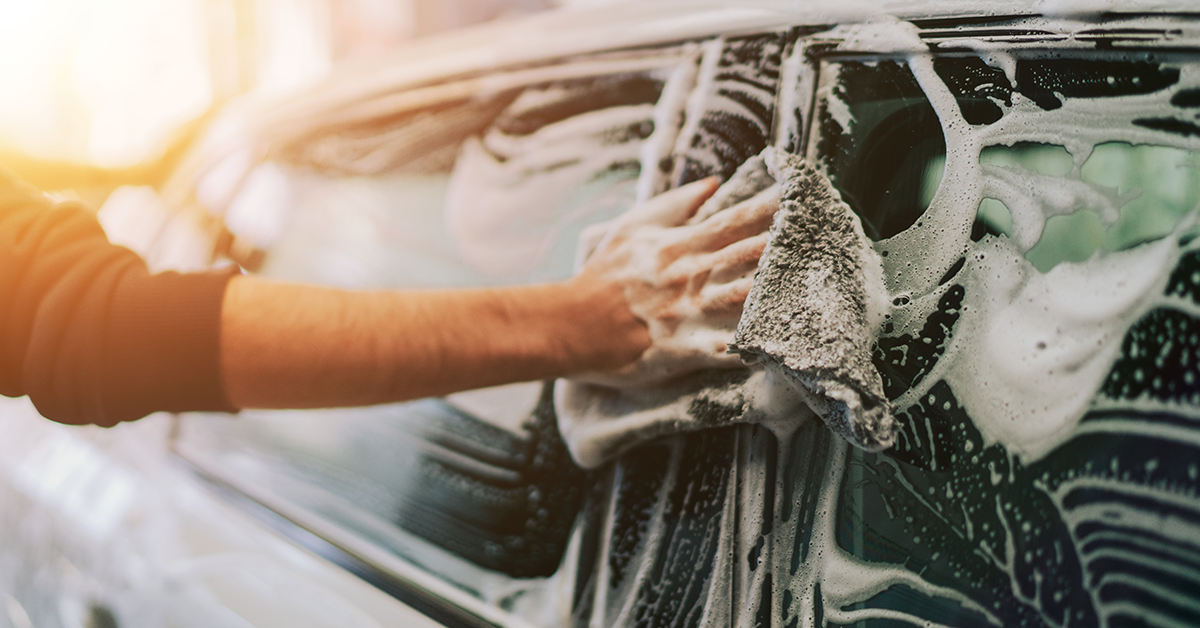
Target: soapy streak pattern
(516, 523)
(993, 538)
(739, 109)
(725, 121)
(1074, 536)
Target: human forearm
(655, 299)
(291, 346)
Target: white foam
(881, 33)
(1030, 349)
(834, 106)
(667, 122)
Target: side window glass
(1035, 214)
(881, 142)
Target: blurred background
(110, 83)
(102, 528)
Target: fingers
(744, 220)
(748, 218)
(723, 302)
(590, 239)
(674, 207)
(737, 260)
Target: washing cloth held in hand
(778, 387)
(816, 304)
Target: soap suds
(669, 117)
(1025, 398)
(1033, 348)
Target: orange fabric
(87, 332)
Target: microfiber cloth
(806, 334)
(816, 303)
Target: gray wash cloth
(790, 373)
(598, 421)
(816, 304)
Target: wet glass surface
(973, 523)
(882, 144)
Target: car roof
(590, 26)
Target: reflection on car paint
(574, 145)
(515, 523)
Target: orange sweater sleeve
(87, 332)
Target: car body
(1027, 175)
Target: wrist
(602, 329)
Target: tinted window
(1040, 358)
(881, 142)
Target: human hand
(685, 282)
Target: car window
(1036, 217)
(881, 142)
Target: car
(1026, 174)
